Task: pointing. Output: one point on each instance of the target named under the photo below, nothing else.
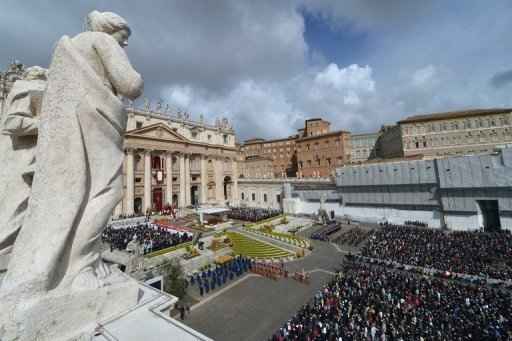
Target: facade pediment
(157, 131)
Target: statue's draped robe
(18, 138)
(78, 179)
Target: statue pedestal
(70, 315)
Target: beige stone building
(457, 132)
(363, 146)
(171, 159)
(256, 167)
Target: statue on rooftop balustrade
(18, 140)
(77, 180)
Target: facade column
(234, 189)
(182, 199)
(188, 200)
(168, 170)
(147, 180)
(219, 181)
(204, 179)
(130, 183)
(118, 210)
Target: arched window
(265, 197)
(243, 196)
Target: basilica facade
(174, 160)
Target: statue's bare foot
(86, 280)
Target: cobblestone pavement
(253, 309)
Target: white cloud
(351, 98)
(274, 109)
(424, 76)
(352, 77)
(180, 96)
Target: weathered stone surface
(18, 139)
(66, 315)
(56, 283)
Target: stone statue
(322, 213)
(134, 247)
(159, 105)
(77, 181)
(147, 104)
(18, 140)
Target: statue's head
(35, 73)
(109, 23)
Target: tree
(174, 278)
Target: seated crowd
(415, 223)
(253, 214)
(486, 254)
(368, 302)
(353, 237)
(152, 237)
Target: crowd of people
(127, 216)
(253, 214)
(368, 302)
(486, 254)
(415, 223)
(221, 274)
(353, 237)
(151, 236)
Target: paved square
(253, 309)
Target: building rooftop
(332, 133)
(455, 114)
(317, 119)
(172, 116)
(260, 140)
(149, 321)
(365, 134)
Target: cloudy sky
(268, 65)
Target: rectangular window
(253, 195)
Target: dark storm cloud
(501, 79)
(211, 44)
(248, 60)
